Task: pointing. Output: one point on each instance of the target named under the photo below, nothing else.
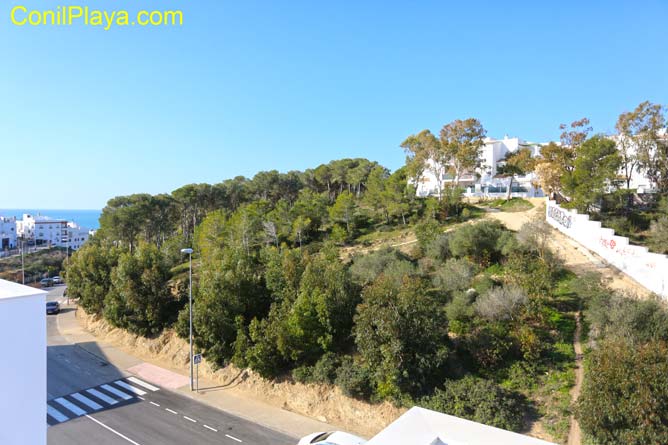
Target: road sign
(197, 359)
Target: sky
(246, 86)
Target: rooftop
(9, 290)
(419, 426)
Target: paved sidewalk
(267, 415)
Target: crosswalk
(80, 403)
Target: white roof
(419, 426)
(10, 290)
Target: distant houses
(485, 181)
(41, 231)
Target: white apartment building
(45, 231)
(483, 182)
(7, 233)
(76, 235)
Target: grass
(512, 205)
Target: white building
(484, 182)
(419, 426)
(7, 233)
(76, 235)
(45, 231)
(23, 364)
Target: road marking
(71, 406)
(143, 383)
(112, 430)
(53, 412)
(141, 398)
(101, 396)
(171, 411)
(117, 392)
(212, 429)
(86, 401)
(130, 388)
(233, 438)
(188, 418)
(153, 403)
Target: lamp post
(189, 251)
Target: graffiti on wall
(560, 216)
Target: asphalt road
(91, 404)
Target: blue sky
(245, 86)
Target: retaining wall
(648, 269)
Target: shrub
(353, 379)
(624, 399)
(366, 268)
(439, 249)
(455, 274)
(478, 400)
(657, 238)
(501, 303)
(489, 345)
(426, 231)
(324, 371)
(621, 317)
(480, 242)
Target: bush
(455, 274)
(426, 231)
(501, 303)
(478, 400)
(657, 238)
(624, 399)
(481, 242)
(353, 379)
(439, 248)
(619, 317)
(366, 268)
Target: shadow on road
(80, 381)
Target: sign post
(197, 359)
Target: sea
(85, 218)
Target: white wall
(22, 367)
(648, 269)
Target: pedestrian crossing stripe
(87, 401)
(130, 388)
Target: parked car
(331, 438)
(52, 307)
(57, 280)
(46, 282)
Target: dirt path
(574, 435)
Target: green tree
(343, 210)
(402, 335)
(462, 141)
(139, 299)
(516, 163)
(594, 170)
(88, 273)
(642, 144)
(321, 318)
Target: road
(89, 399)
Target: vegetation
(40, 264)
(477, 322)
(625, 397)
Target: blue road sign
(197, 359)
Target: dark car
(46, 282)
(52, 307)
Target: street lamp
(190, 299)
